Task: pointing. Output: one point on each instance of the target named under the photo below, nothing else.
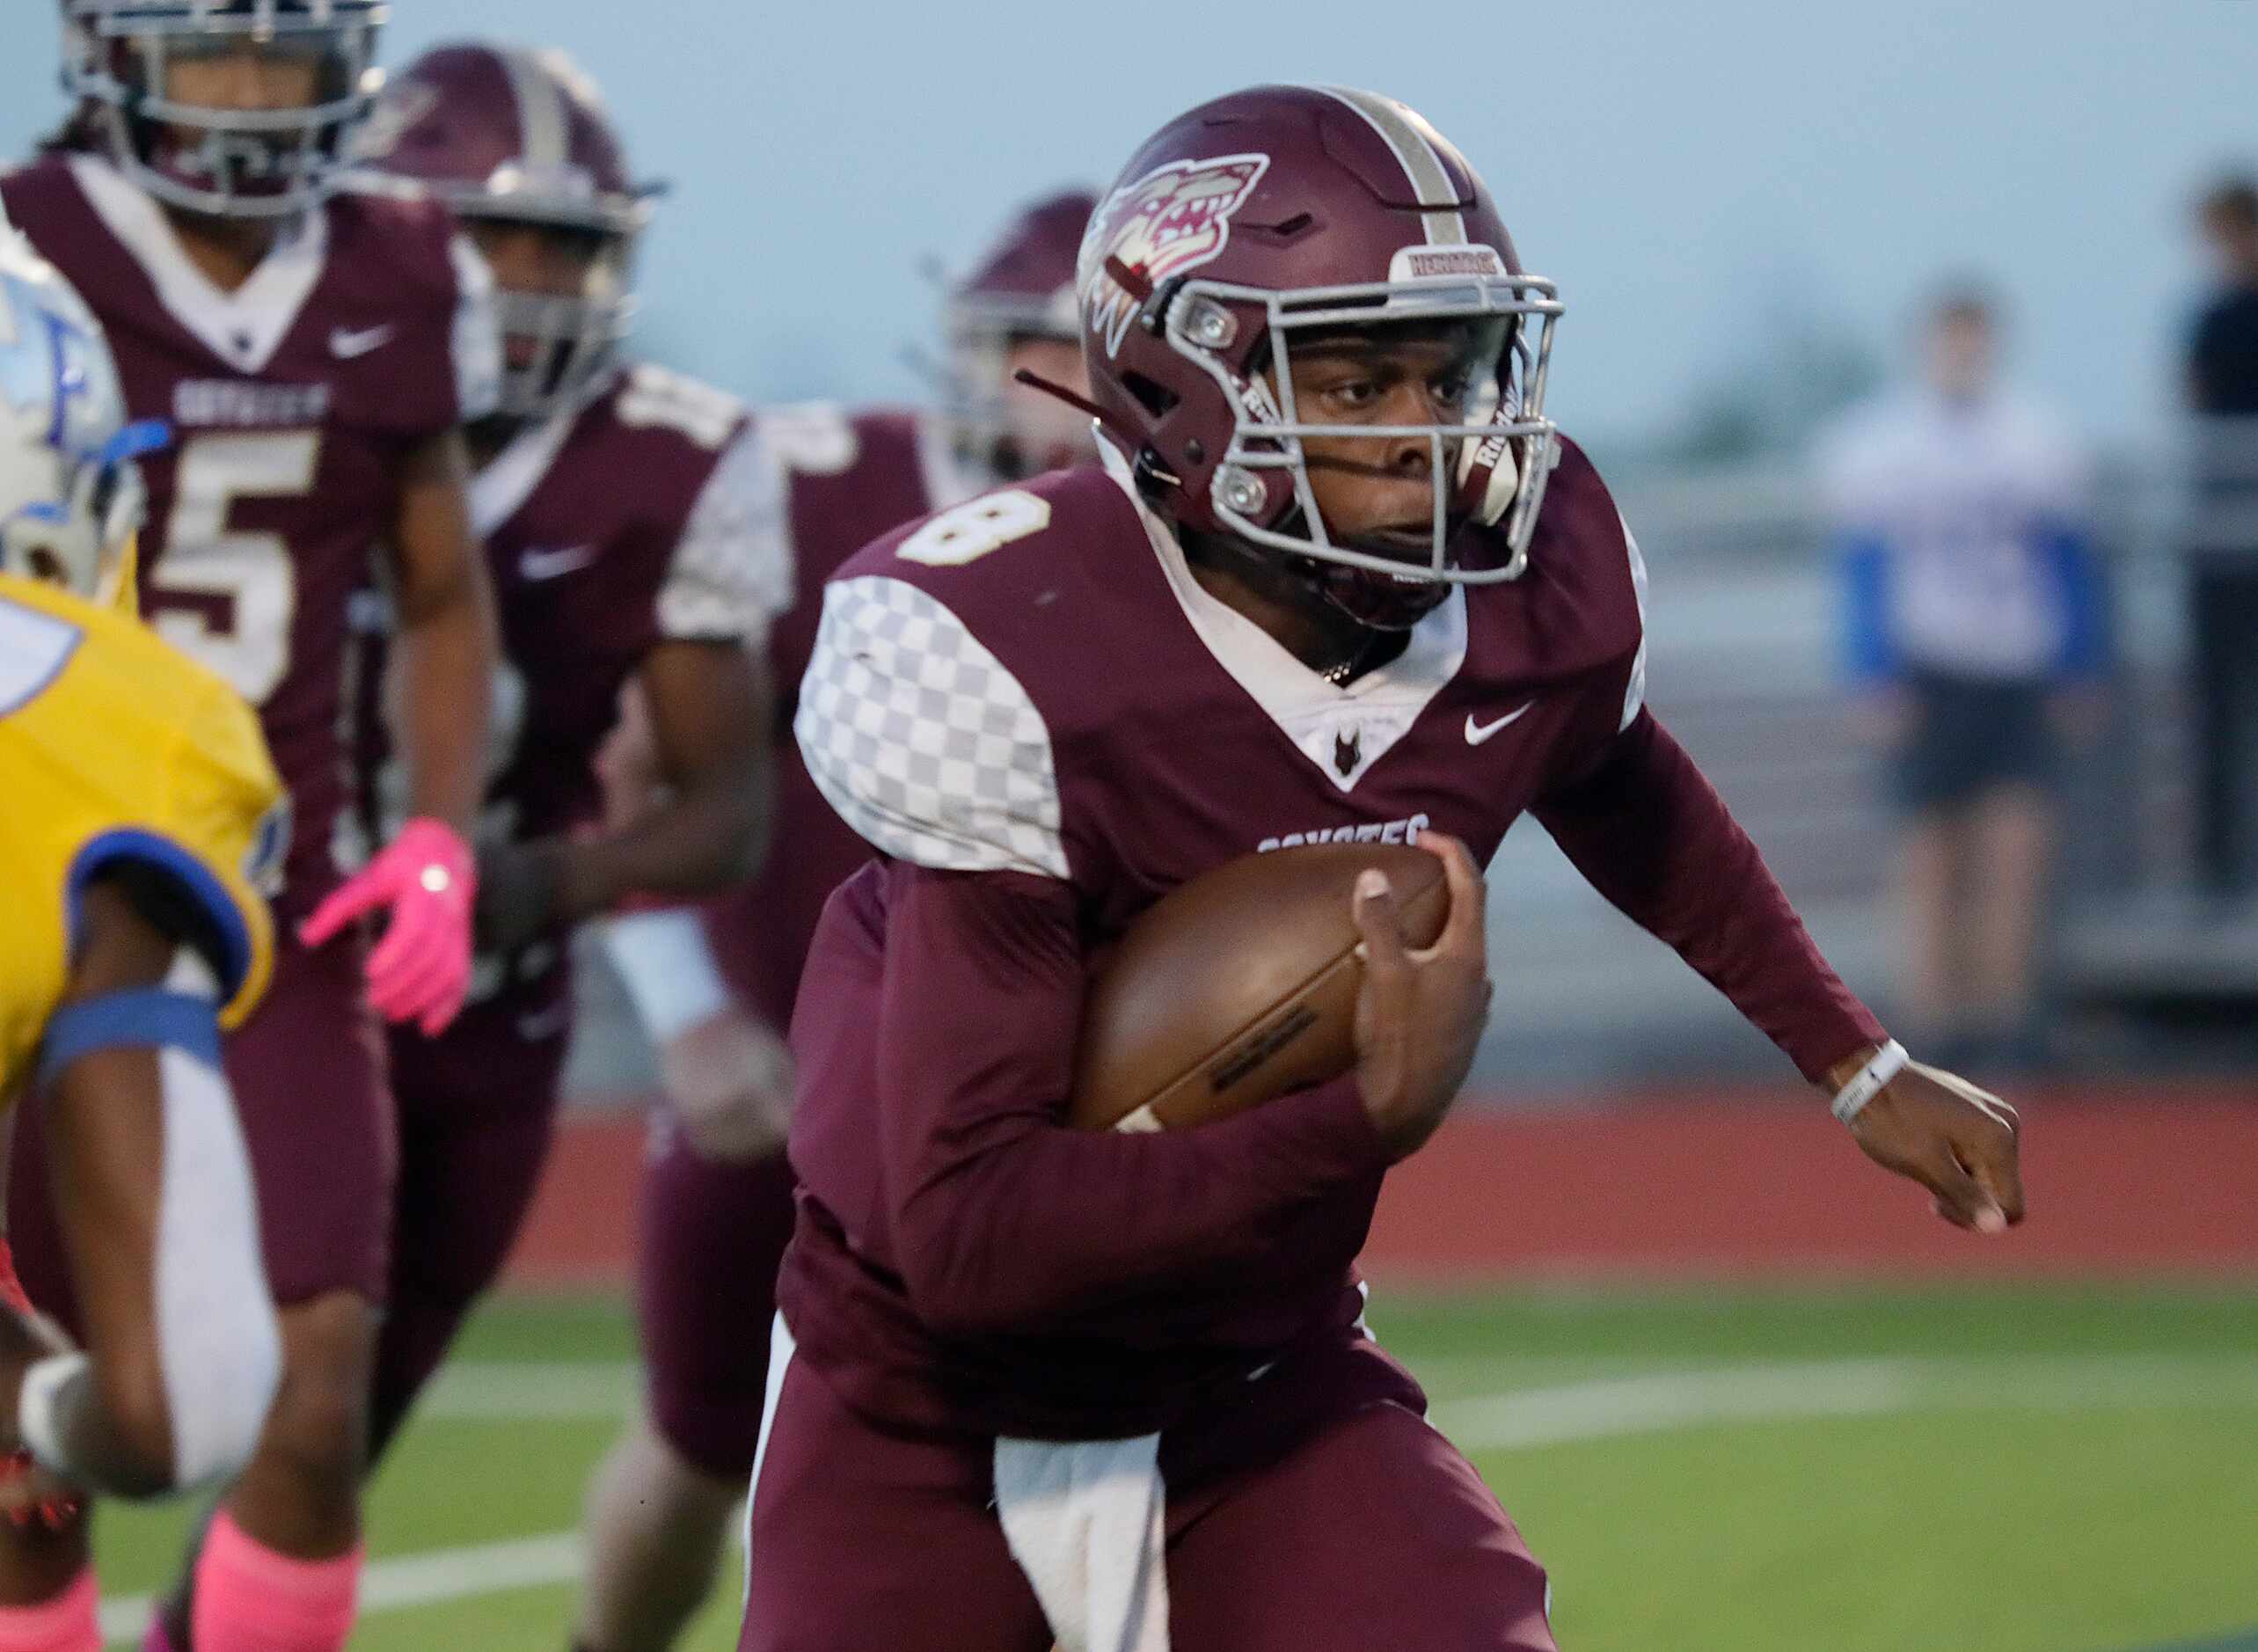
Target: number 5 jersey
(294, 401)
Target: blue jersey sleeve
(207, 896)
(1870, 650)
(2068, 556)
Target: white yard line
(529, 1392)
(1616, 1406)
(1561, 1413)
(415, 1579)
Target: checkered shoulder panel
(733, 568)
(921, 739)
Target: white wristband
(1887, 1063)
(38, 1424)
(668, 970)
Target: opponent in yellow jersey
(138, 811)
(115, 747)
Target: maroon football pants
(477, 1111)
(308, 1073)
(711, 1238)
(1371, 1532)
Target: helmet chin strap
(1129, 440)
(1379, 603)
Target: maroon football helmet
(514, 135)
(1283, 211)
(117, 55)
(1024, 289)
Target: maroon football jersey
(649, 513)
(851, 477)
(650, 510)
(1033, 688)
(293, 400)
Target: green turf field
(2062, 1471)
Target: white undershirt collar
(243, 328)
(1326, 721)
(499, 488)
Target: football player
(141, 813)
(717, 1203)
(1337, 578)
(315, 354)
(632, 519)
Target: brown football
(1239, 987)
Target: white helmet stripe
(540, 111)
(1431, 182)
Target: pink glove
(421, 968)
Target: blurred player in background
(1976, 625)
(141, 813)
(632, 520)
(315, 354)
(717, 1197)
(2222, 379)
(1337, 577)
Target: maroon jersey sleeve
(1646, 828)
(1001, 1219)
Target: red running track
(1716, 1184)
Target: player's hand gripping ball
(1240, 986)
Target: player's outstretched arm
(154, 1194)
(705, 715)
(444, 649)
(1934, 1127)
(439, 690)
(1651, 834)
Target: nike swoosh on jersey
(346, 343)
(1477, 733)
(550, 565)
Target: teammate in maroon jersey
(717, 1201)
(632, 519)
(1338, 578)
(315, 355)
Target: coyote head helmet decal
(1169, 221)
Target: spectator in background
(2223, 552)
(1974, 619)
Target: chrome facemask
(1002, 433)
(1491, 468)
(236, 163)
(570, 340)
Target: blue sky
(1683, 171)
